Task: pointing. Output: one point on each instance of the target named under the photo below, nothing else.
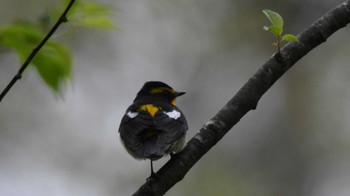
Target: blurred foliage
(54, 61)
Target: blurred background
(297, 142)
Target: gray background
(295, 143)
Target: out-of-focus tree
(54, 61)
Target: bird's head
(157, 90)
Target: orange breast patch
(150, 108)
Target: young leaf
(97, 21)
(290, 38)
(53, 62)
(54, 65)
(274, 29)
(21, 37)
(95, 8)
(277, 29)
(92, 15)
(274, 18)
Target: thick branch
(245, 100)
(18, 76)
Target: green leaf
(53, 61)
(97, 21)
(92, 15)
(21, 37)
(274, 18)
(54, 65)
(93, 8)
(274, 29)
(290, 38)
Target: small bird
(153, 126)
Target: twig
(62, 19)
(245, 100)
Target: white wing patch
(132, 114)
(173, 114)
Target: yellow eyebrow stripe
(150, 108)
(161, 90)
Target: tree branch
(62, 19)
(245, 100)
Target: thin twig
(62, 19)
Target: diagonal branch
(62, 19)
(245, 100)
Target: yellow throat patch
(150, 108)
(173, 102)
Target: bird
(153, 126)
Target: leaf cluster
(54, 61)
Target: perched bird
(153, 126)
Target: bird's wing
(173, 125)
(131, 128)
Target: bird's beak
(177, 94)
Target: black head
(158, 89)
